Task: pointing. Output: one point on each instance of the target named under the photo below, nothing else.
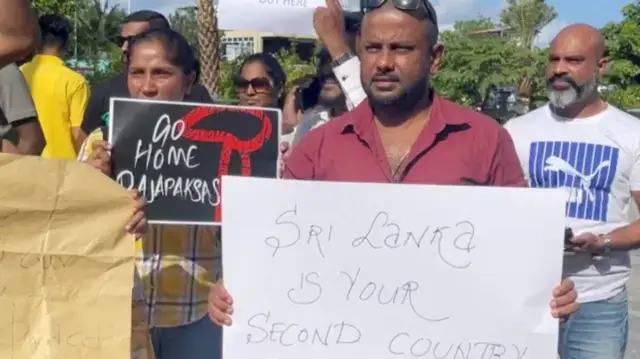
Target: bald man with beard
(589, 148)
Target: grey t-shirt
(313, 118)
(16, 103)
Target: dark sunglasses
(422, 6)
(121, 40)
(259, 84)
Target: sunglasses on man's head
(121, 40)
(424, 7)
(258, 84)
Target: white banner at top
(279, 16)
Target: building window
(234, 47)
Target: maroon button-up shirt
(457, 146)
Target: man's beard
(331, 101)
(336, 105)
(403, 102)
(574, 94)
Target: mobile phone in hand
(568, 234)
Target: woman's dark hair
(303, 81)
(54, 30)
(196, 71)
(155, 19)
(179, 51)
(352, 22)
(274, 70)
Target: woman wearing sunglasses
(260, 81)
(174, 261)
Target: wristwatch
(342, 59)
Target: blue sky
(574, 11)
(569, 12)
(593, 12)
(597, 15)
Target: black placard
(175, 153)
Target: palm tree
(98, 25)
(526, 18)
(208, 44)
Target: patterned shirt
(176, 264)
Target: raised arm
(18, 30)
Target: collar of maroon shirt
(361, 118)
(361, 122)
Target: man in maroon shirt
(404, 133)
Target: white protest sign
(323, 270)
(278, 16)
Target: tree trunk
(524, 95)
(208, 45)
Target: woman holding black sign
(175, 260)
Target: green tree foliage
(228, 69)
(526, 18)
(110, 65)
(98, 26)
(623, 50)
(477, 61)
(62, 7)
(185, 21)
(293, 66)
(95, 25)
(97, 22)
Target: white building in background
(236, 43)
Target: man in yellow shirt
(59, 93)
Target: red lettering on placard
(228, 141)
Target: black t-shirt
(98, 107)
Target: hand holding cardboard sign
(138, 224)
(100, 157)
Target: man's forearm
(30, 147)
(337, 48)
(18, 30)
(625, 238)
(78, 137)
(31, 140)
